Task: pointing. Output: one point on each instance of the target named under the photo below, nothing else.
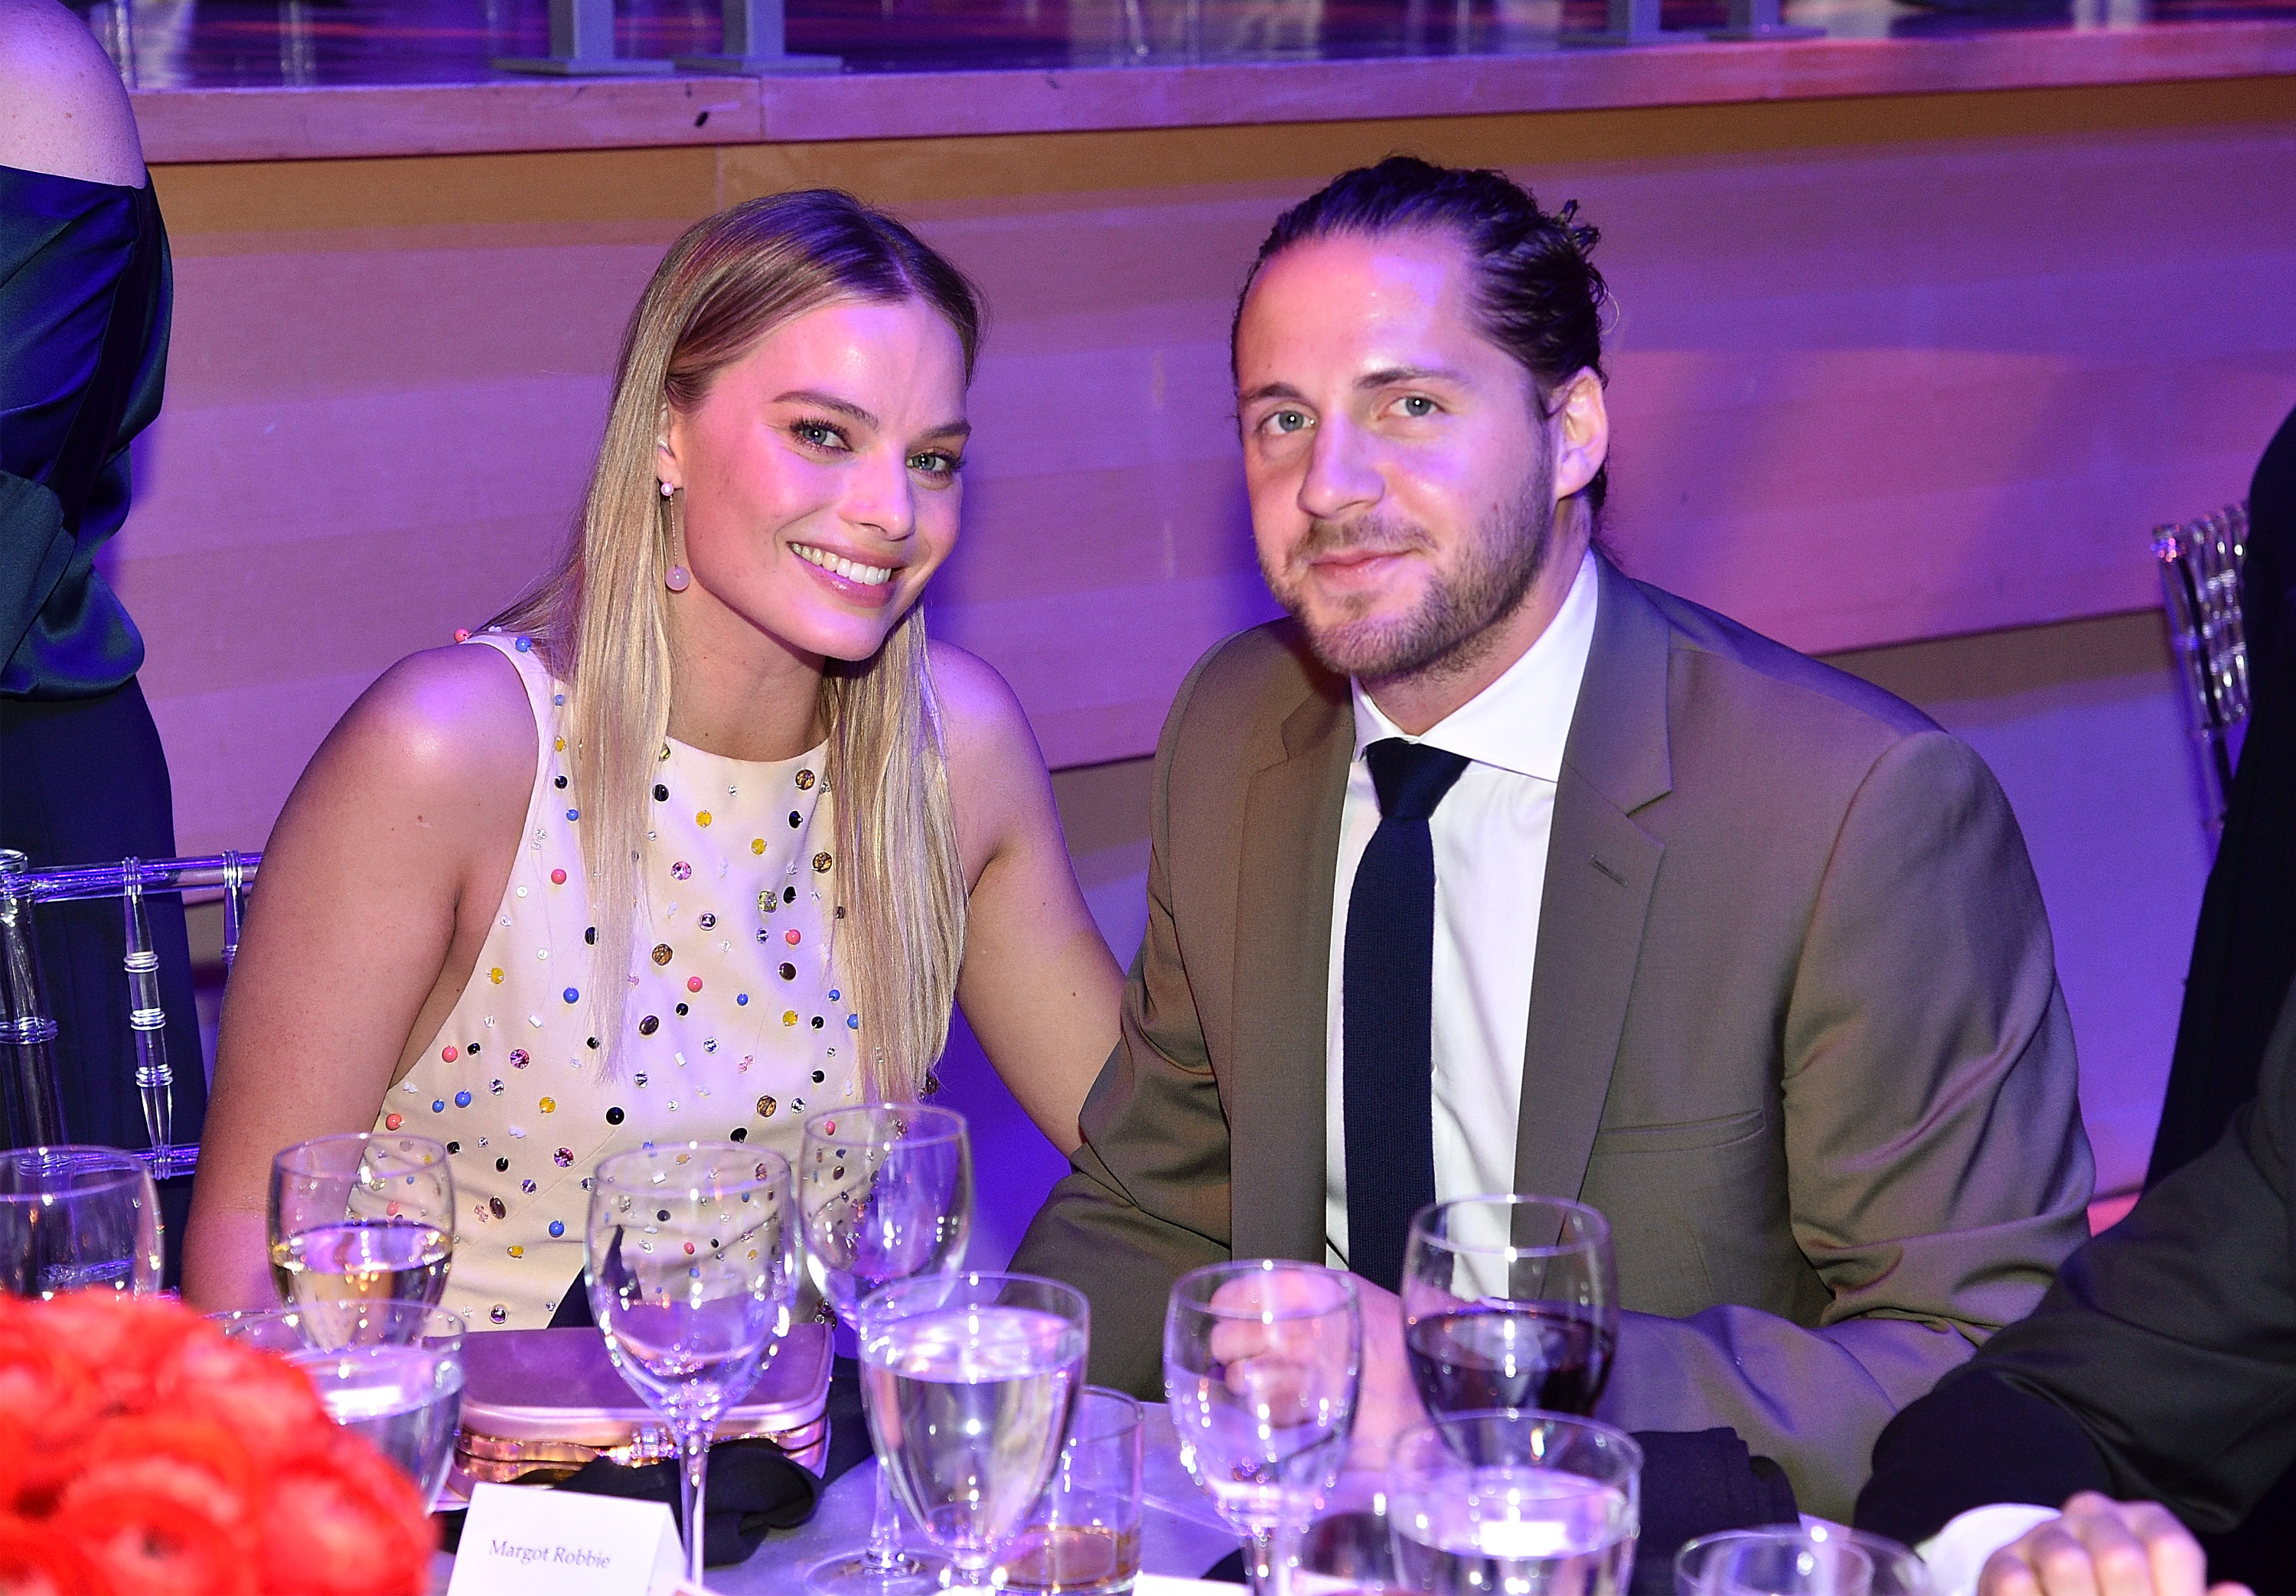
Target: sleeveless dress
(736, 1029)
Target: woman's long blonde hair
(602, 620)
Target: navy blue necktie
(1386, 988)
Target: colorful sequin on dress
(733, 1029)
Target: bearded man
(1493, 870)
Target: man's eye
(1287, 421)
(1417, 406)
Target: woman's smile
(870, 585)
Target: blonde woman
(701, 837)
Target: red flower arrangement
(142, 1452)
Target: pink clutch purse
(539, 1405)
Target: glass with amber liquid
(1083, 1536)
(361, 1218)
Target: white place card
(521, 1541)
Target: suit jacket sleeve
(1147, 1199)
(1937, 1168)
(2170, 1340)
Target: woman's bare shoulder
(64, 109)
(446, 721)
(979, 709)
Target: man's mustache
(1364, 536)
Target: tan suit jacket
(1795, 1028)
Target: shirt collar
(1521, 721)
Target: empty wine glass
(887, 1194)
(392, 1372)
(364, 1215)
(1262, 1361)
(77, 1218)
(968, 1381)
(1510, 1302)
(1512, 1500)
(691, 1254)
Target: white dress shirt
(1490, 834)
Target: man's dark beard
(1451, 630)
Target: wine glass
(1514, 1500)
(364, 1215)
(1510, 1302)
(73, 1219)
(692, 1255)
(1262, 1360)
(887, 1193)
(390, 1370)
(968, 1381)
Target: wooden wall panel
(1886, 370)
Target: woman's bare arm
(1039, 986)
(377, 886)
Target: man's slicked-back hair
(1539, 294)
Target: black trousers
(84, 782)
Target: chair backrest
(2199, 566)
(28, 1088)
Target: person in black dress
(2162, 1364)
(2244, 952)
(85, 292)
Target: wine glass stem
(1268, 1562)
(884, 1555)
(693, 1458)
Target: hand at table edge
(2100, 1547)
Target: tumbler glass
(391, 1371)
(1083, 1536)
(1515, 1500)
(75, 1219)
(1793, 1560)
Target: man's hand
(1284, 1366)
(2104, 1548)
(1388, 1403)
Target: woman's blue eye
(935, 462)
(820, 434)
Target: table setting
(703, 1419)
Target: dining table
(1180, 1536)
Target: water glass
(392, 1371)
(691, 1254)
(1510, 1302)
(75, 1219)
(1793, 1560)
(369, 1216)
(1514, 1500)
(1083, 1536)
(1350, 1551)
(1262, 1363)
(970, 1380)
(887, 1194)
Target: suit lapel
(1290, 857)
(1600, 867)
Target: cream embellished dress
(736, 1027)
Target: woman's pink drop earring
(676, 576)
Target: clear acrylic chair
(28, 1089)
(2199, 566)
